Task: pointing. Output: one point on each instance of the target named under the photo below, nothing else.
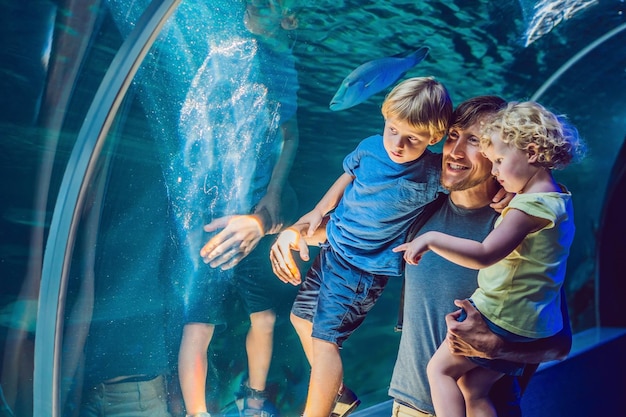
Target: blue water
(182, 100)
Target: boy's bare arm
(472, 337)
(333, 195)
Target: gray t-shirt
(430, 290)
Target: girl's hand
(414, 250)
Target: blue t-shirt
(380, 204)
(277, 73)
(430, 289)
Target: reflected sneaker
(254, 403)
(202, 414)
(345, 403)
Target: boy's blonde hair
(423, 103)
(523, 123)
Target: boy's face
(464, 165)
(404, 143)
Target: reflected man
(236, 236)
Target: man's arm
(269, 208)
(472, 337)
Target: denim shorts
(499, 365)
(336, 296)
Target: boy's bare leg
(326, 377)
(304, 328)
(193, 364)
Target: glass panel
(43, 104)
(198, 137)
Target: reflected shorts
(335, 296)
(252, 284)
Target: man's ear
(532, 151)
(289, 21)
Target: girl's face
(510, 165)
(403, 143)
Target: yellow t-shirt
(521, 293)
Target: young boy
(387, 182)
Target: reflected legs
(193, 365)
(259, 347)
(193, 361)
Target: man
(429, 297)
(433, 284)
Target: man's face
(464, 166)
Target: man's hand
(283, 264)
(471, 337)
(239, 237)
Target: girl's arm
(502, 240)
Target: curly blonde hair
(523, 123)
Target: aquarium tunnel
(127, 126)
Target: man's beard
(466, 183)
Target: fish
(549, 13)
(374, 76)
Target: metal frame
(60, 243)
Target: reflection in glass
(208, 131)
(170, 155)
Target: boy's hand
(314, 219)
(283, 264)
(240, 236)
(471, 337)
(501, 200)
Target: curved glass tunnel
(109, 108)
